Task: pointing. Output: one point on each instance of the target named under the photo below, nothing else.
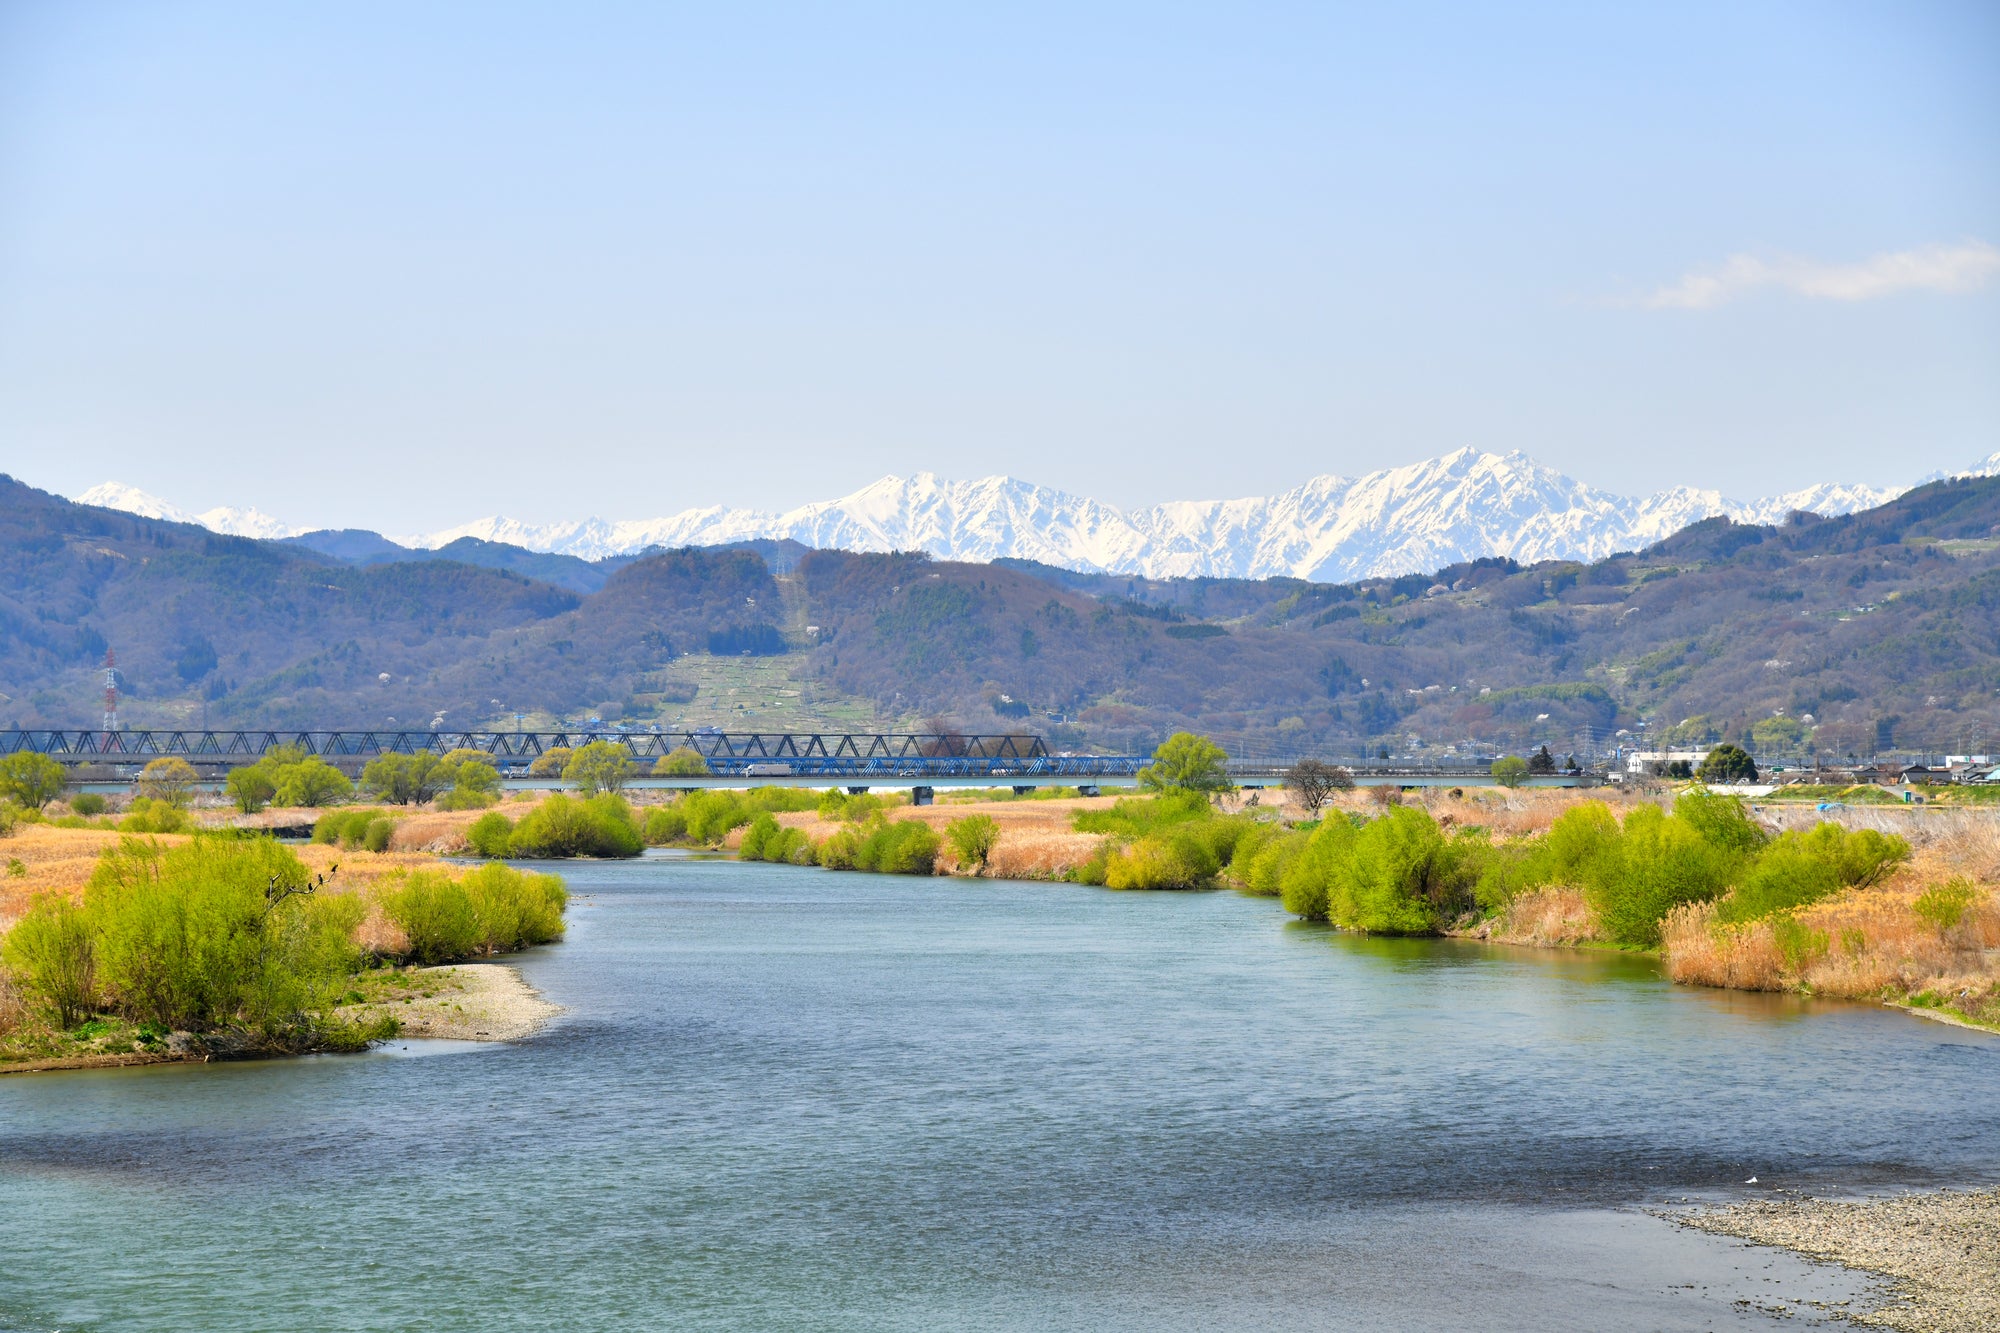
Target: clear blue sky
(400, 265)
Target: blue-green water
(794, 1099)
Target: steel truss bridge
(727, 754)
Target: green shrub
(839, 851)
(1946, 905)
(761, 828)
(563, 826)
(1176, 858)
(1403, 876)
(436, 916)
(837, 804)
(665, 824)
(345, 828)
(31, 780)
(1260, 862)
(906, 847)
(491, 834)
(1720, 819)
(681, 762)
(712, 815)
(972, 839)
(1135, 817)
(250, 787)
(1304, 878)
(88, 803)
(310, 782)
(187, 937)
(1797, 869)
(9, 817)
(601, 766)
(147, 815)
(1799, 945)
(52, 955)
(375, 836)
(1658, 863)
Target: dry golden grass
(1863, 942)
(1551, 918)
(61, 860)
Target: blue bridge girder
(860, 754)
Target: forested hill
(1872, 632)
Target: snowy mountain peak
(234, 522)
(1418, 517)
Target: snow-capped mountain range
(1396, 521)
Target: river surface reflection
(794, 1099)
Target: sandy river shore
(1941, 1251)
(470, 1002)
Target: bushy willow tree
(1187, 762)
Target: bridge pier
(923, 796)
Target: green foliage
(1178, 858)
(664, 824)
(905, 847)
(474, 782)
(601, 766)
(251, 787)
(146, 815)
(309, 783)
(88, 804)
(405, 779)
(187, 938)
(1727, 763)
(767, 840)
(1800, 868)
(347, 828)
(1721, 819)
(1187, 762)
(1262, 857)
(1658, 862)
(1510, 771)
(1402, 876)
(551, 762)
(1777, 734)
(1798, 944)
(973, 839)
(491, 835)
(1136, 816)
(53, 957)
(563, 826)
(493, 909)
(837, 804)
(1945, 905)
(169, 778)
(30, 780)
(683, 761)
(9, 817)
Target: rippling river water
(793, 1099)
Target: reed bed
(1554, 917)
(1862, 943)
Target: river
(794, 1099)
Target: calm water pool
(794, 1099)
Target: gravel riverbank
(1941, 1250)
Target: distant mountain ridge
(1462, 506)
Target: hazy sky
(398, 265)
